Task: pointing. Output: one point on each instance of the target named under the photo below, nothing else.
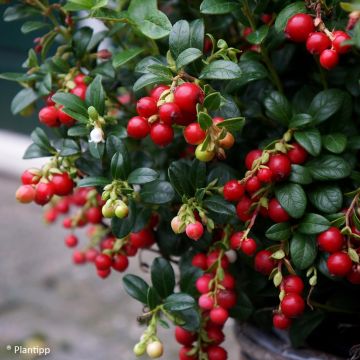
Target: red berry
(354, 275)
(253, 184)
(219, 315)
(331, 240)
(183, 354)
(142, 239)
(293, 284)
(103, 273)
(63, 184)
(64, 118)
(206, 302)
(251, 157)
(138, 127)
(79, 79)
(280, 166)
(130, 250)
(276, 212)
(71, 241)
(67, 223)
(247, 31)
(236, 240)
(226, 298)
(63, 206)
(162, 134)
(158, 90)
(94, 215)
(91, 254)
(187, 96)
(25, 194)
(265, 175)
(213, 257)
(195, 231)
(297, 155)
(215, 335)
(108, 243)
(49, 116)
(299, 26)
(228, 282)
(203, 283)
(146, 107)
(216, 353)
(80, 91)
(233, 190)
(329, 59)
(184, 337)
(169, 113)
(243, 208)
(43, 193)
(340, 37)
(48, 100)
(248, 247)
(292, 305)
(50, 215)
(28, 178)
(266, 18)
(264, 263)
(199, 261)
(78, 257)
(120, 262)
(194, 134)
(339, 264)
(103, 262)
(317, 42)
(280, 321)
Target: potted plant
(222, 135)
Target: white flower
(97, 135)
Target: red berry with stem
(194, 134)
(162, 134)
(219, 315)
(216, 353)
(226, 298)
(156, 92)
(49, 115)
(203, 283)
(71, 241)
(50, 215)
(299, 26)
(281, 322)
(228, 282)
(338, 42)
(79, 79)
(194, 231)
(243, 208)
(142, 239)
(138, 127)
(79, 91)
(64, 118)
(103, 273)
(248, 247)
(120, 262)
(280, 166)
(215, 335)
(213, 257)
(297, 154)
(28, 178)
(63, 184)
(130, 250)
(79, 257)
(339, 264)
(292, 305)
(169, 113)
(264, 263)
(251, 157)
(187, 96)
(184, 337)
(44, 192)
(103, 262)
(276, 212)
(233, 190)
(293, 284)
(354, 275)
(206, 302)
(265, 175)
(199, 261)
(94, 215)
(25, 194)
(331, 240)
(184, 354)
(317, 42)
(236, 240)
(146, 107)
(91, 254)
(329, 59)
(253, 184)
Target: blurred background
(45, 300)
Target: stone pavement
(81, 316)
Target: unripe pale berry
(25, 194)
(155, 349)
(194, 231)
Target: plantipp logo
(33, 350)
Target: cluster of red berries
(53, 116)
(328, 45)
(163, 109)
(41, 189)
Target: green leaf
(326, 198)
(329, 167)
(95, 95)
(187, 57)
(286, 13)
(179, 302)
(157, 192)
(233, 124)
(300, 120)
(335, 143)
(325, 104)
(204, 120)
(78, 130)
(30, 26)
(142, 65)
(197, 174)
(153, 300)
(178, 175)
(71, 102)
(161, 71)
(218, 7)
(35, 151)
(149, 79)
(123, 227)
(300, 175)
(96, 150)
(221, 70)
(179, 38)
(310, 140)
(278, 108)
(162, 277)
(303, 250)
(68, 147)
(243, 308)
(23, 99)
(292, 198)
(119, 168)
(142, 176)
(93, 181)
(136, 287)
(219, 209)
(212, 101)
(39, 137)
(11, 76)
(81, 40)
(125, 56)
(197, 34)
(313, 224)
(258, 36)
(279, 232)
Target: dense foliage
(222, 134)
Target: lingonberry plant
(223, 135)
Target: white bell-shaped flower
(97, 135)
